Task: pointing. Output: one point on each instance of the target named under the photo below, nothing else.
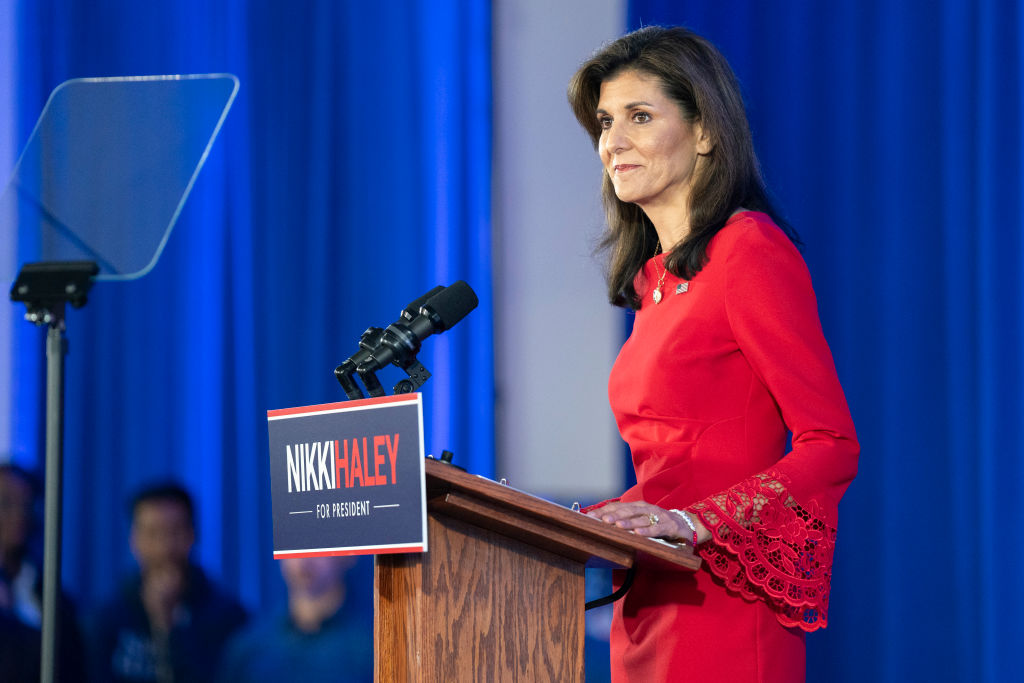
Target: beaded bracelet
(689, 522)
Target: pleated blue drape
(352, 175)
(891, 134)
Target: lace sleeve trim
(767, 547)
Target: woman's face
(648, 149)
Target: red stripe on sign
(341, 405)
(364, 551)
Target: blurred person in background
(169, 622)
(21, 587)
(319, 636)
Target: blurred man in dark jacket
(169, 622)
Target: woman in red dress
(726, 360)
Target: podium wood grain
(499, 596)
(478, 606)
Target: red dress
(704, 391)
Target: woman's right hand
(647, 519)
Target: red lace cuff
(765, 546)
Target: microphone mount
(418, 375)
(398, 344)
(436, 311)
(367, 343)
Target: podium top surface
(491, 505)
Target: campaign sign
(348, 478)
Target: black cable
(626, 583)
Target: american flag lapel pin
(682, 287)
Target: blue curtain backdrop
(891, 134)
(352, 175)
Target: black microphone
(370, 340)
(413, 309)
(401, 341)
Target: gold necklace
(661, 281)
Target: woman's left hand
(643, 519)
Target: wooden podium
(499, 595)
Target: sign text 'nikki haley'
(348, 478)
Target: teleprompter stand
(46, 289)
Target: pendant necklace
(661, 281)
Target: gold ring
(653, 518)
